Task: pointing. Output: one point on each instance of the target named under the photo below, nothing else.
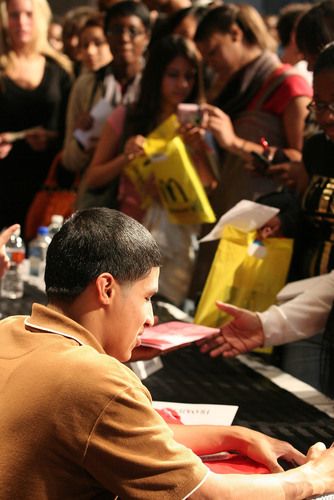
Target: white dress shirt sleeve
(301, 317)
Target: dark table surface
(191, 377)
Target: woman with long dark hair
(172, 76)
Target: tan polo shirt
(76, 423)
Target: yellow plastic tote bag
(242, 279)
(180, 188)
(179, 185)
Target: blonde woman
(34, 86)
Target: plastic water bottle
(12, 284)
(37, 252)
(55, 225)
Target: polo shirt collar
(47, 320)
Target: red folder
(224, 463)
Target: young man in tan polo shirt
(75, 423)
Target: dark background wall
(266, 6)
(59, 7)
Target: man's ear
(236, 32)
(104, 285)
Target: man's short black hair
(128, 8)
(94, 241)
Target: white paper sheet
(245, 215)
(200, 414)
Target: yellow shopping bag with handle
(244, 277)
(179, 185)
(180, 188)
(140, 169)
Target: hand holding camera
(190, 117)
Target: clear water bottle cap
(43, 230)
(57, 219)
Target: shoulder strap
(276, 78)
(93, 92)
(112, 90)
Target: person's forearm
(244, 148)
(204, 169)
(291, 485)
(202, 439)
(207, 439)
(99, 175)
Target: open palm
(244, 333)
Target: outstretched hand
(244, 333)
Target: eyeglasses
(320, 107)
(118, 30)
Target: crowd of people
(89, 89)
(93, 85)
(109, 55)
